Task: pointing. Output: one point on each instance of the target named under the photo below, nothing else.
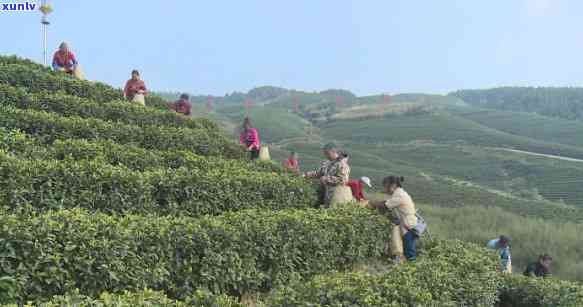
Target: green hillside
(530, 125)
(439, 128)
(107, 204)
(561, 102)
(276, 123)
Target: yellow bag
(396, 244)
(78, 73)
(139, 99)
(264, 153)
(341, 195)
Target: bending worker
(183, 105)
(405, 219)
(333, 175)
(357, 187)
(292, 163)
(502, 245)
(64, 59)
(541, 268)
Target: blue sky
(366, 46)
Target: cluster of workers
(540, 268)
(135, 89)
(335, 185)
(408, 225)
(336, 188)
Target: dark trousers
(410, 246)
(254, 154)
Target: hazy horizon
(367, 48)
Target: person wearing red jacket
(357, 187)
(134, 86)
(292, 163)
(183, 105)
(64, 59)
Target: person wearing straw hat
(357, 187)
(333, 173)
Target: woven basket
(264, 153)
(341, 195)
(139, 99)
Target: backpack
(421, 226)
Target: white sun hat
(366, 180)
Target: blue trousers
(410, 246)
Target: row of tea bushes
(36, 80)
(13, 59)
(236, 253)
(49, 127)
(143, 298)
(449, 273)
(97, 186)
(520, 291)
(151, 100)
(133, 157)
(118, 111)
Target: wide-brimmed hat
(366, 181)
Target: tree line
(562, 102)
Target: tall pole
(44, 22)
(45, 9)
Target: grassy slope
(530, 236)
(523, 175)
(528, 124)
(274, 123)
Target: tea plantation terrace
(109, 204)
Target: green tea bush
(13, 59)
(236, 253)
(50, 127)
(36, 80)
(137, 158)
(118, 111)
(133, 157)
(8, 289)
(521, 291)
(97, 186)
(143, 298)
(157, 102)
(449, 273)
(22, 145)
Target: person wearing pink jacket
(250, 138)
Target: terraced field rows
(102, 201)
